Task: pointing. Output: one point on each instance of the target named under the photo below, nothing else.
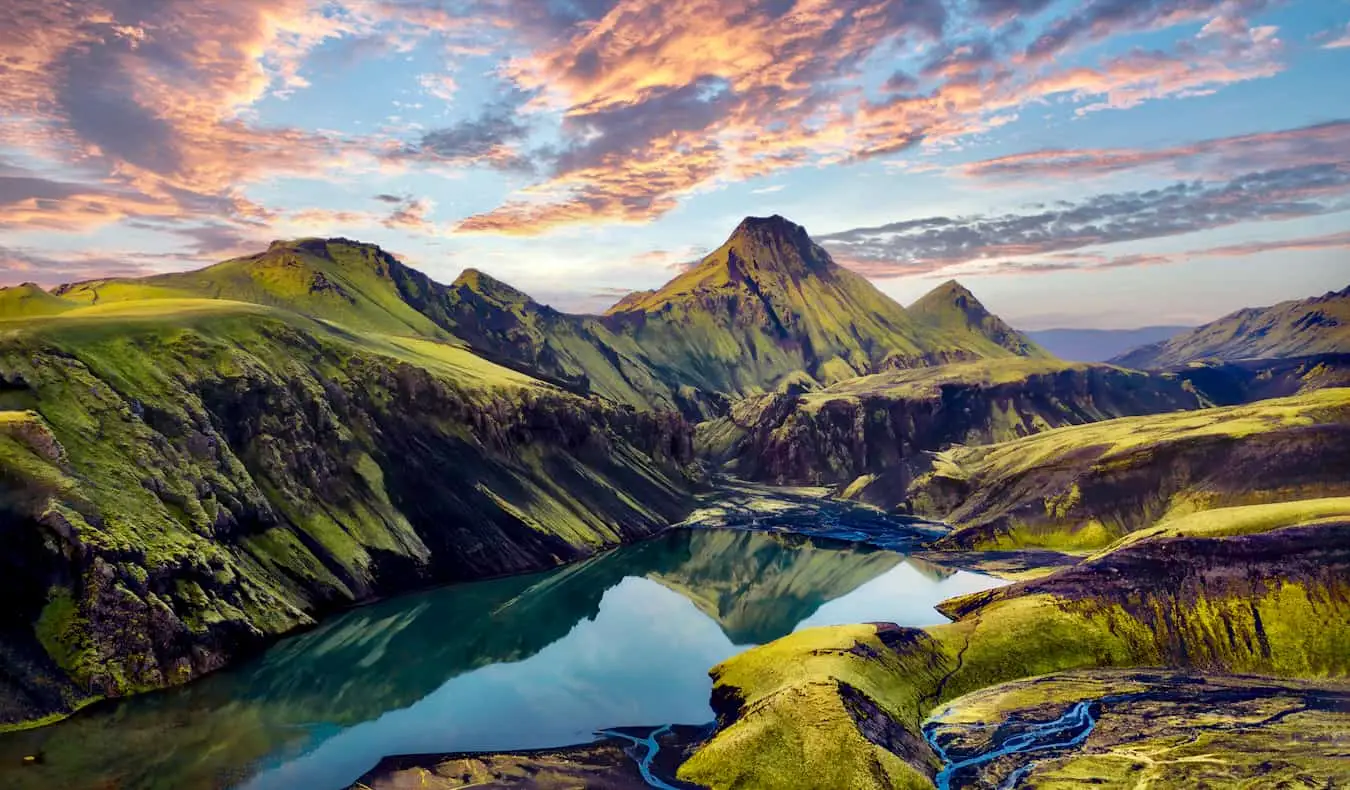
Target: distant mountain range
(767, 307)
(1320, 325)
(1099, 345)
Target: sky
(1081, 163)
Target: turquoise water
(543, 660)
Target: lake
(625, 638)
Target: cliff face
(173, 493)
(882, 425)
(849, 702)
(1082, 488)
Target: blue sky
(1106, 163)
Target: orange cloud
(675, 97)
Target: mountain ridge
(1296, 327)
(769, 305)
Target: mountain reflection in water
(626, 638)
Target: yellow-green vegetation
(1296, 328)
(1081, 488)
(1243, 520)
(30, 301)
(879, 426)
(769, 304)
(335, 280)
(1157, 729)
(181, 479)
(953, 308)
(843, 706)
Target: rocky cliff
(1082, 488)
(180, 483)
(883, 425)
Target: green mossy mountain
(182, 480)
(951, 307)
(770, 305)
(1320, 325)
(884, 425)
(767, 307)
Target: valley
(310, 518)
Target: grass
(795, 729)
(22, 302)
(1241, 520)
(1080, 488)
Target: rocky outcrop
(1085, 487)
(180, 495)
(845, 706)
(884, 425)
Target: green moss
(64, 634)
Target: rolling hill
(1320, 325)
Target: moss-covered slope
(1080, 488)
(769, 305)
(1318, 325)
(180, 480)
(843, 707)
(878, 427)
(951, 307)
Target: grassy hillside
(770, 304)
(953, 309)
(881, 426)
(1081, 488)
(330, 279)
(26, 301)
(845, 706)
(182, 479)
(1319, 325)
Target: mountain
(766, 307)
(770, 305)
(952, 308)
(1099, 345)
(1320, 325)
(182, 480)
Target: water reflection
(543, 660)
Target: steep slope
(29, 300)
(877, 428)
(1080, 488)
(1245, 381)
(507, 324)
(770, 304)
(181, 480)
(1319, 325)
(845, 706)
(953, 309)
(1099, 345)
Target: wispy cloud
(922, 245)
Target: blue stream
(1069, 730)
(645, 762)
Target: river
(623, 639)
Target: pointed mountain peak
(952, 306)
(947, 296)
(490, 287)
(766, 227)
